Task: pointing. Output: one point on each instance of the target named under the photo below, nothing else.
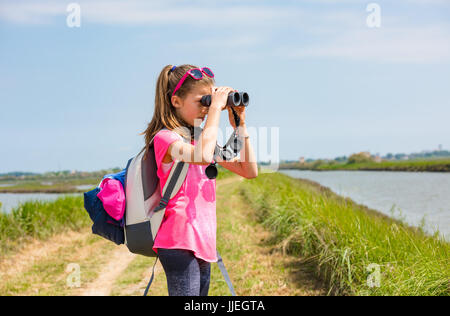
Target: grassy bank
(440, 165)
(357, 251)
(40, 220)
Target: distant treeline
(64, 174)
(435, 165)
(436, 154)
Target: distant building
(377, 159)
(440, 148)
(301, 160)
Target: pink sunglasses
(195, 73)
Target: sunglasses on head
(195, 73)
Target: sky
(326, 78)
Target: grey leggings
(186, 275)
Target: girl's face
(190, 108)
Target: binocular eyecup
(234, 99)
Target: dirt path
(120, 259)
(36, 251)
(138, 288)
(255, 268)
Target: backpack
(104, 224)
(144, 207)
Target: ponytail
(165, 115)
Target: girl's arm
(246, 166)
(203, 152)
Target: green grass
(419, 165)
(437, 165)
(347, 242)
(40, 220)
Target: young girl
(186, 240)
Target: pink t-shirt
(190, 218)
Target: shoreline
(440, 165)
(343, 239)
(371, 211)
(431, 231)
(367, 169)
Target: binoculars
(234, 99)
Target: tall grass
(438, 165)
(357, 251)
(41, 219)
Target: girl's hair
(165, 114)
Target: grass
(436, 165)
(40, 220)
(356, 251)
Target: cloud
(196, 13)
(25, 12)
(298, 31)
(386, 44)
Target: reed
(357, 251)
(41, 219)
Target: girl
(186, 240)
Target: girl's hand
(219, 97)
(240, 111)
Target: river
(12, 200)
(411, 196)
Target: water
(12, 200)
(412, 196)
(85, 187)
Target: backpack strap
(225, 274)
(151, 279)
(171, 188)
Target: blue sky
(77, 98)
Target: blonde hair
(165, 114)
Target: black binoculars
(234, 99)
